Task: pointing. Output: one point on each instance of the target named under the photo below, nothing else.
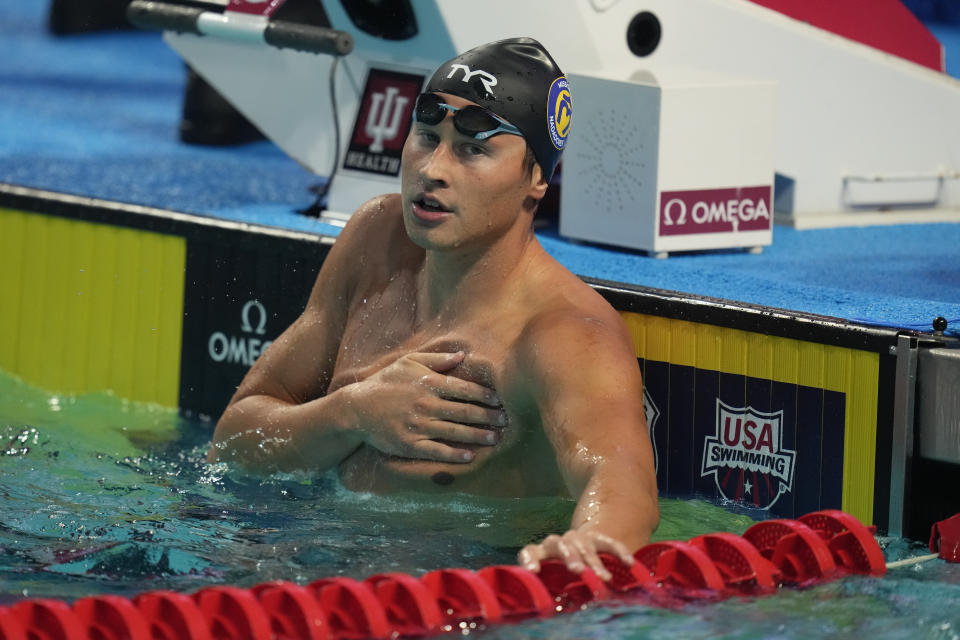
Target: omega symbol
(245, 317)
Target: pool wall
(779, 412)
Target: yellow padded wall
(89, 306)
(849, 371)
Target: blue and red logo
(746, 457)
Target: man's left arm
(589, 393)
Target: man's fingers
(554, 546)
(454, 388)
(588, 553)
(433, 450)
(615, 547)
(577, 550)
(449, 386)
(443, 430)
(463, 413)
(530, 556)
(438, 362)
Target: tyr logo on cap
(488, 79)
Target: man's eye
(472, 149)
(428, 137)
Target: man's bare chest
(384, 325)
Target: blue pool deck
(97, 115)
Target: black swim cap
(519, 81)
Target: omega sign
(243, 349)
(715, 211)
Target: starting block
(679, 160)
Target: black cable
(315, 210)
(336, 124)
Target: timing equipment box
(678, 161)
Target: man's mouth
(429, 209)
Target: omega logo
(242, 349)
(732, 211)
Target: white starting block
(674, 161)
(863, 135)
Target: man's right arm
(281, 417)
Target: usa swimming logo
(559, 111)
(746, 456)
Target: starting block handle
(302, 37)
(165, 16)
(160, 16)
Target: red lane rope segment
(817, 547)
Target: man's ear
(538, 184)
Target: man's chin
(429, 237)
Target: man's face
(458, 191)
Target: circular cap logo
(559, 111)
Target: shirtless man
(443, 350)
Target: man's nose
(435, 170)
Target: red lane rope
(818, 547)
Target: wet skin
(436, 321)
(384, 324)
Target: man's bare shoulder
(570, 322)
(377, 221)
(374, 240)
(365, 250)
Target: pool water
(99, 495)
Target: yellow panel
(638, 332)
(30, 345)
(733, 352)
(709, 339)
(683, 343)
(102, 292)
(658, 338)
(786, 360)
(759, 355)
(56, 319)
(148, 311)
(12, 229)
(77, 276)
(836, 368)
(170, 321)
(123, 343)
(91, 306)
(860, 434)
(810, 365)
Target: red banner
(715, 210)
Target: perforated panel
(610, 165)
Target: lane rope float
(815, 548)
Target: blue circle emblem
(559, 111)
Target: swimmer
(442, 349)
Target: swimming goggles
(473, 121)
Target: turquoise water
(99, 495)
